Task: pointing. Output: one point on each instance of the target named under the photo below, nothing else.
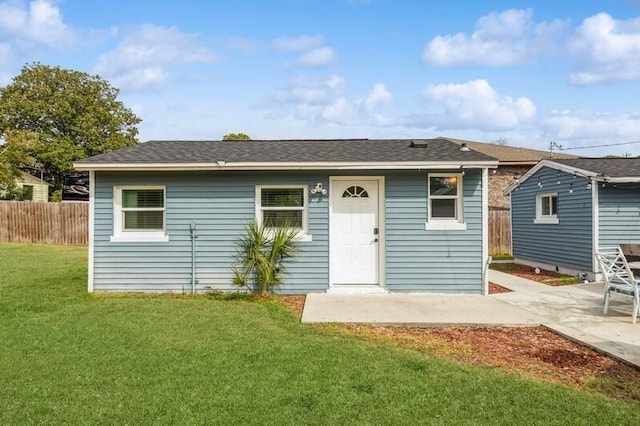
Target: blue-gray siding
(221, 203)
(438, 261)
(619, 220)
(568, 243)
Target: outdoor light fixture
(571, 189)
(318, 189)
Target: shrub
(261, 253)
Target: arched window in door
(355, 191)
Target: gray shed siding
(221, 203)
(567, 243)
(619, 219)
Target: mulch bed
(496, 288)
(543, 276)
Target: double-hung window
(139, 213)
(283, 206)
(547, 208)
(444, 194)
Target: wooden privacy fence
(499, 232)
(44, 223)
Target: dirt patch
(542, 276)
(534, 352)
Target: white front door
(354, 231)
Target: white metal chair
(618, 277)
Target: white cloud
(311, 50)
(587, 125)
(378, 95)
(143, 57)
(325, 102)
(605, 49)
(477, 105)
(298, 43)
(504, 38)
(600, 50)
(317, 57)
(38, 23)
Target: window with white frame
(283, 206)
(139, 213)
(547, 208)
(444, 193)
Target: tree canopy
(50, 117)
(236, 137)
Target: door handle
(375, 231)
(375, 240)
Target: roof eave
(552, 165)
(398, 165)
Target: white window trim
(140, 236)
(303, 235)
(446, 224)
(545, 219)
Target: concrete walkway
(573, 311)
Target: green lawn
(67, 357)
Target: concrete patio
(574, 311)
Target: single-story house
(563, 210)
(35, 189)
(373, 215)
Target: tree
(236, 137)
(68, 115)
(501, 142)
(14, 152)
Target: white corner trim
(445, 226)
(485, 230)
(595, 225)
(547, 221)
(91, 236)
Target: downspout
(192, 231)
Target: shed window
(546, 208)
(139, 214)
(444, 193)
(283, 206)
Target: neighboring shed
(563, 210)
(36, 189)
(373, 215)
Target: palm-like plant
(261, 252)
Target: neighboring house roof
(288, 154)
(598, 169)
(29, 179)
(511, 155)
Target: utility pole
(552, 145)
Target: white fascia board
(629, 179)
(398, 165)
(552, 165)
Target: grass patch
(70, 357)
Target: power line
(598, 146)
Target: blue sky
(526, 72)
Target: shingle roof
(511, 154)
(607, 167)
(281, 151)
